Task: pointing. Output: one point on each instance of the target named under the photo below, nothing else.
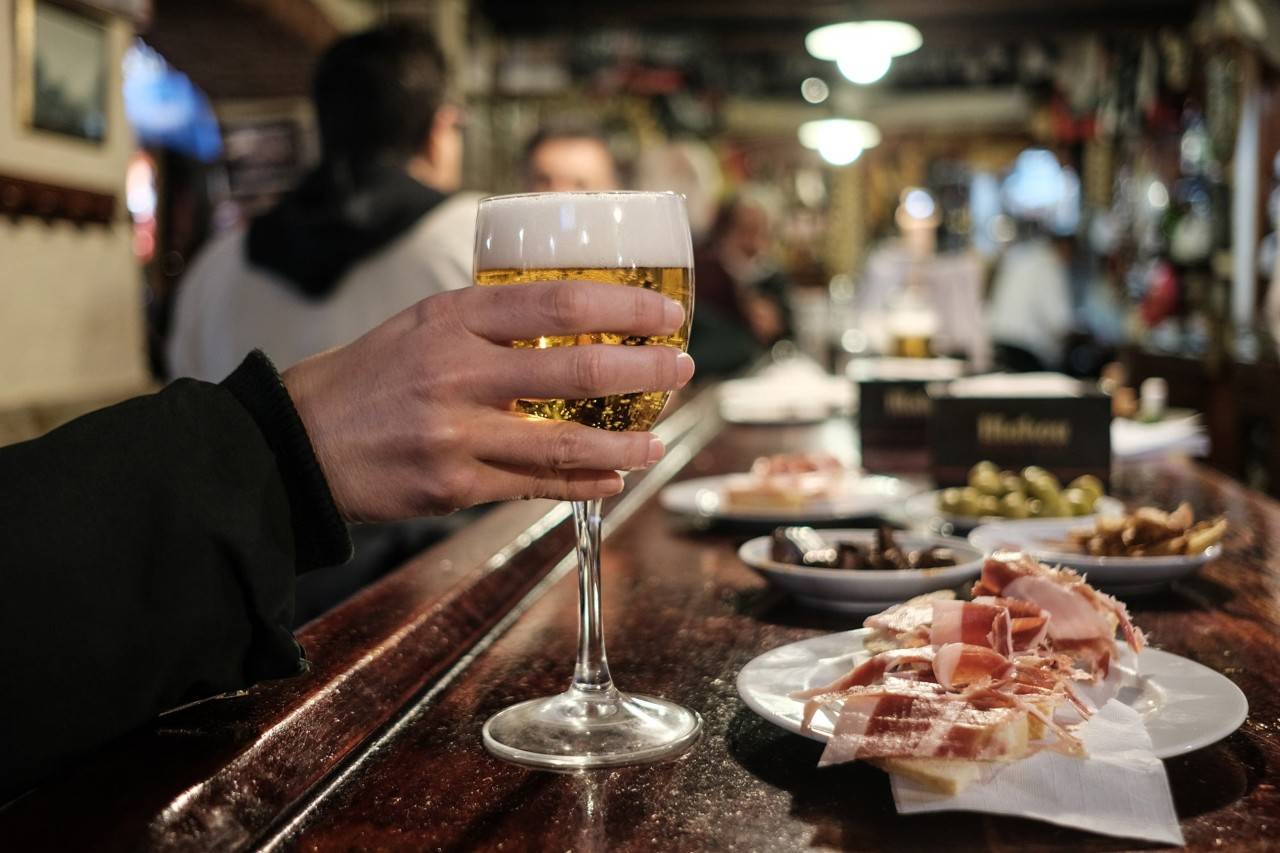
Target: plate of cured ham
(941, 690)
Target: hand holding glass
(632, 240)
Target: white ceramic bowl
(863, 591)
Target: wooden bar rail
(379, 747)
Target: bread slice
(944, 775)
(949, 776)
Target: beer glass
(629, 239)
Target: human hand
(415, 418)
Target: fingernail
(673, 314)
(684, 369)
(614, 486)
(655, 451)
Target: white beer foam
(587, 230)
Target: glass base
(578, 729)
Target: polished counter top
(378, 747)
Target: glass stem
(591, 675)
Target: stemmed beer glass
(631, 239)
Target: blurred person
(741, 293)
(908, 284)
(569, 158)
(1030, 313)
(150, 549)
(375, 227)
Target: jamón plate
(1185, 705)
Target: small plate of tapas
(993, 495)
(802, 488)
(859, 571)
(1137, 552)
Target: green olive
(1052, 505)
(1035, 508)
(968, 504)
(981, 468)
(988, 483)
(1011, 482)
(988, 505)
(1088, 483)
(949, 500)
(1014, 505)
(1033, 472)
(1045, 489)
(1077, 501)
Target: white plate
(1185, 705)
(1037, 537)
(863, 496)
(922, 508)
(868, 591)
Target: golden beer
(628, 239)
(638, 411)
(911, 346)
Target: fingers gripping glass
(632, 240)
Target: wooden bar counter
(378, 746)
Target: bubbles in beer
(636, 411)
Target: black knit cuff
(320, 536)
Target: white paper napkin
(1121, 789)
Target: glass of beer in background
(630, 239)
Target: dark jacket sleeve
(147, 558)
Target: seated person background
(375, 227)
(1030, 313)
(740, 293)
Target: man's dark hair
(377, 92)
(566, 129)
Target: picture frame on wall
(62, 75)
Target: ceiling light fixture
(863, 50)
(839, 141)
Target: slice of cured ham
(962, 622)
(910, 616)
(958, 665)
(871, 670)
(896, 725)
(1079, 613)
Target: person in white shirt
(374, 228)
(1030, 312)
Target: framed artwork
(62, 74)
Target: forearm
(147, 554)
